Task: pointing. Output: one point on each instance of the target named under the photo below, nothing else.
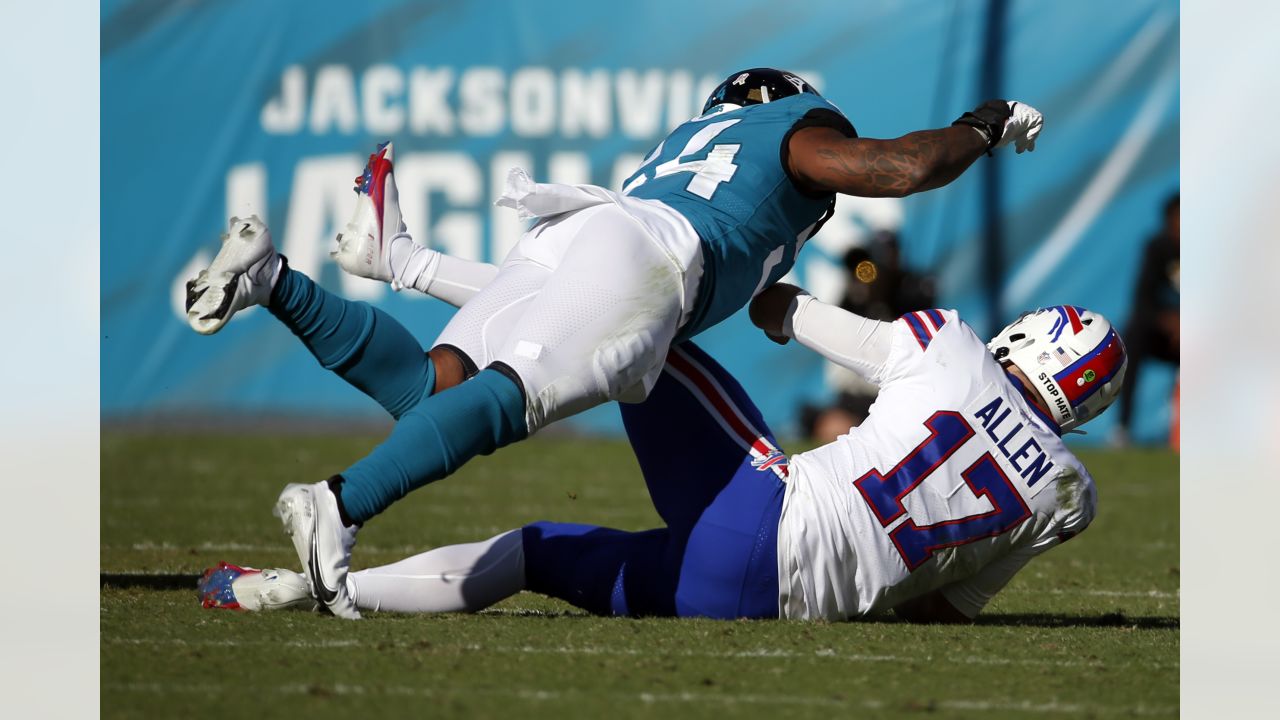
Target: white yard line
(284, 546)
(543, 695)
(408, 550)
(759, 653)
(180, 642)
(1161, 594)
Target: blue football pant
(715, 475)
(711, 465)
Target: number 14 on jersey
(708, 172)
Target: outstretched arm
(822, 159)
(847, 339)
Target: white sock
(410, 261)
(441, 276)
(454, 280)
(455, 578)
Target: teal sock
(361, 344)
(434, 439)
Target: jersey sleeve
(913, 335)
(847, 339)
(972, 594)
(827, 117)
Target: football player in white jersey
(955, 481)
(959, 475)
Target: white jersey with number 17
(953, 482)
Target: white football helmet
(1072, 356)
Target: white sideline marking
(284, 546)
(765, 653)
(307, 644)
(1102, 593)
(409, 550)
(1025, 706)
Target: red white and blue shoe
(309, 514)
(242, 274)
(364, 245)
(231, 587)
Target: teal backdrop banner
(211, 109)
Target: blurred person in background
(1153, 329)
(877, 286)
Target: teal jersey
(725, 173)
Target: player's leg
(455, 578)
(481, 326)
(323, 518)
(608, 572)
(1138, 344)
(441, 432)
(601, 570)
(694, 432)
(723, 567)
(363, 345)
(729, 563)
(359, 343)
(715, 474)
(603, 322)
(599, 324)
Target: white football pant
(585, 306)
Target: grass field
(1089, 630)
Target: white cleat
(364, 245)
(244, 588)
(242, 274)
(309, 514)
(273, 589)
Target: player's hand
(1022, 128)
(989, 119)
(768, 310)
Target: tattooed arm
(824, 160)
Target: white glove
(1022, 128)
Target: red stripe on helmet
(1076, 325)
(1103, 361)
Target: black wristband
(989, 119)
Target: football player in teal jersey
(586, 306)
